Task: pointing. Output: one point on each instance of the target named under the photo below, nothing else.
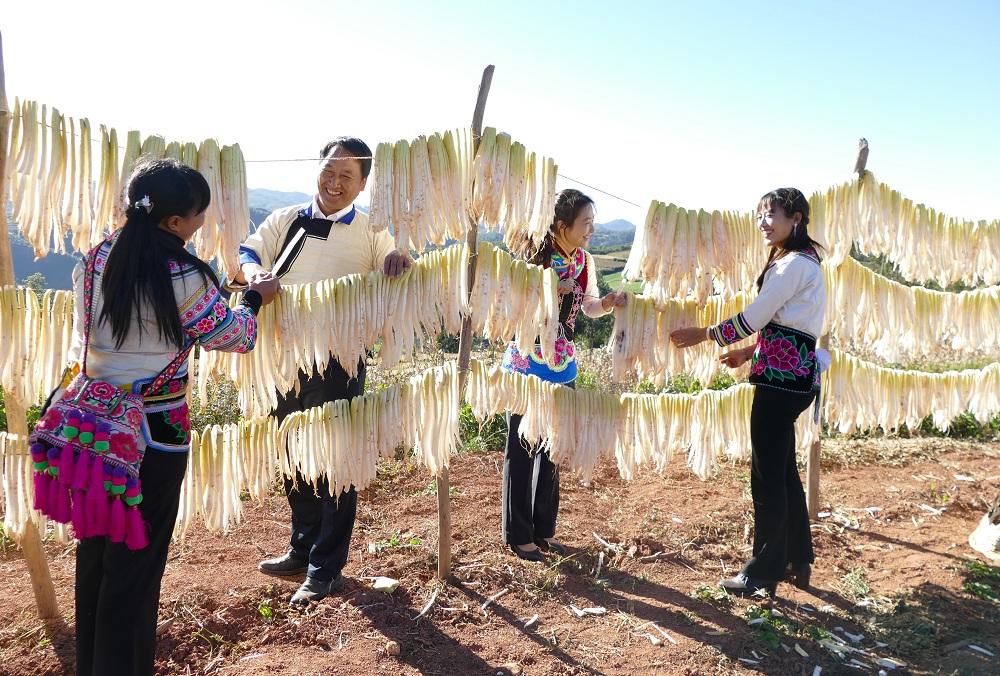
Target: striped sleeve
(731, 331)
(208, 319)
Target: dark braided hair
(569, 203)
(790, 201)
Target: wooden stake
(812, 469)
(464, 342)
(862, 160)
(17, 422)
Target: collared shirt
(337, 217)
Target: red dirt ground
(894, 574)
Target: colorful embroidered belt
(785, 359)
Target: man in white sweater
(326, 238)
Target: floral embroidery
(784, 357)
(205, 325)
(101, 390)
(518, 362)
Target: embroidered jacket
(205, 317)
(788, 316)
(585, 297)
(793, 295)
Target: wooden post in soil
(464, 342)
(812, 471)
(17, 423)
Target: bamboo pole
(17, 422)
(812, 469)
(464, 342)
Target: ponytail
(137, 271)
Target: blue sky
(703, 104)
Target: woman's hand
(613, 300)
(266, 285)
(736, 358)
(566, 286)
(688, 336)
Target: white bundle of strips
(640, 342)
(576, 427)
(513, 191)
(863, 396)
(422, 188)
(36, 335)
(579, 427)
(57, 189)
(514, 299)
(342, 318)
(17, 491)
(342, 440)
(682, 252)
(225, 461)
(924, 243)
(900, 322)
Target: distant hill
(619, 224)
(269, 200)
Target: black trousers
(117, 590)
(322, 523)
(781, 520)
(530, 489)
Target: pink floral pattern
(785, 358)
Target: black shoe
(798, 574)
(743, 585)
(283, 566)
(528, 555)
(553, 546)
(316, 590)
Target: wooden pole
(862, 160)
(17, 422)
(464, 342)
(812, 470)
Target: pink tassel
(66, 465)
(42, 492)
(135, 536)
(53, 499)
(64, 509)
(103, 514)
(79, 516)
(90, 516)
(80, 471)
(96, 525)
(116, 526)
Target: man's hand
(248, 271)
(396, 263)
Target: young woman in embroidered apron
(787, 316)
(142, 301)
(530, 479)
